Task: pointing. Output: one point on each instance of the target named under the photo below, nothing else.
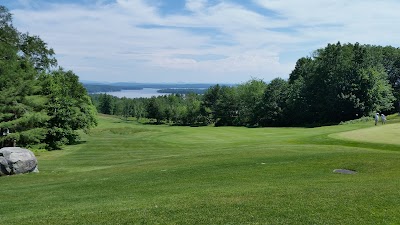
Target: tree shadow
(78, 143)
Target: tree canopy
(39, 104)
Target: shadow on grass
(324, 139)
(78, 143)
(71, 144)
(153, 123)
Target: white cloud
(195, 5)
(364, 21)
(131, 40)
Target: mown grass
(385, 134)
(128, 173)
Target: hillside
(125, 172)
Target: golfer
(376, 118)
(383, 118)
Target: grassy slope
(385, 134)
(128, 173)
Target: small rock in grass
(344, 171)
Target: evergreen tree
(106, 104)
(22, 115)
(210, 98)
(37, 106)
(69, 107)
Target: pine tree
(38, 106)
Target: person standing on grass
(376, 118)
(383, 117)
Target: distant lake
(144, 93)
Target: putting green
(385, 134)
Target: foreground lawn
(128, 173)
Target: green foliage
(359, 120)
(174, 108)
(192, 113)
(68, 106)
(38, 106)
(35, 50)
(226, 107)
(20, 110)
(210, 98)
(106, 104)
(155, 109)
(273, 104)
(8, 36)
(341, 82)
(250, 95)
(389, 57)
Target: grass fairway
(128, 173)
(385, 134)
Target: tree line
(337, 83)
(41, 105)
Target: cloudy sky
(228, 41)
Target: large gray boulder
(15, 160)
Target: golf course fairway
(125, 172)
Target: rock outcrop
(15, 160)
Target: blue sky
(227, 41)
